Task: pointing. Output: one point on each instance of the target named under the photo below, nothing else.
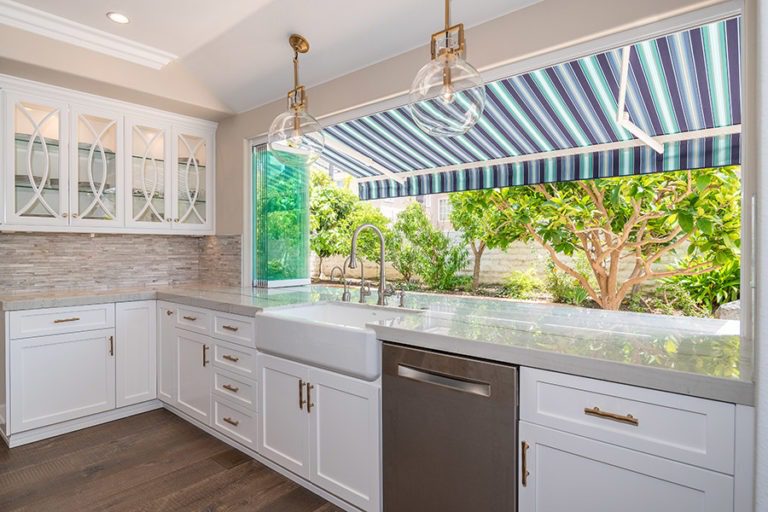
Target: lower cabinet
(166, 353)
(61, 377)
(322, 426)
(193, 374)
(561, 471)
(136, 352)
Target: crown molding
(55, 27)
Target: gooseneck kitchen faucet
(384, 290)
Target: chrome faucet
(365, 289)
(384, 290)
(343, 279)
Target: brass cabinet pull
(228, 357)
(169, 312)
(190, 318)
(231, 421)
(524, 471)
(111, 345)
(230, 387)
(628, 418)
(205, 355)
(230, 328)
(65, 320)
(301, 394)
(310, 405)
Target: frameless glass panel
(147, 174)
(37, 169)
(191, 168)
(96, 167)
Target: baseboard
(38, 434)
(255, 455)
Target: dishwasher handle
(447, 381)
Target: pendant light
(447, 96)
(295, 137)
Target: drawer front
(234, 328)
(194, 319)
(235, 422)
(43, 322)
(681, 428)
(235, 358)
(235, 388)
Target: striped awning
(559, 123)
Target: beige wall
(545, 27)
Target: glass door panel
(96, 188)
(191, 180)
(148, 176)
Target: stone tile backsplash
(32, 262)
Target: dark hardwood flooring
(149, 462)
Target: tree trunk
(478, 253)
(320, 268)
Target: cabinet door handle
(112, 345)
(190, 318)
(230, 328)
(310, 405)
(65, 320)
(621, 418)
(230, 387)
(301, 394)
(228, 357)
(169, 312)
(205, 355)
(229, 420)
(524, 470)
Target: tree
(417, 247)
(329, 210)
(482, 226)
(636, 219)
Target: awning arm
(622, 116)
(356, 155)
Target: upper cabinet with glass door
(149, 185)
(36, 163)
(192, 179)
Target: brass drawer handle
(628, 418)
(524, 472)
(190, 318)
(229, 420)
(65, 320)
(310, 405)
(301, 394)
(228, 357)
(230, 387)
(230, 328)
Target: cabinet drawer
(677, 427)
(43, 322)
(234, 328)
(235, 358)
(235, 388)
(235, 422)
(193, 319)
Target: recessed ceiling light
(118, 17)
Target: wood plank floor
(149, 462)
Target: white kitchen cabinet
(284, 433)
(61, 377)
(136, 352)
(561, 471)
(344, 437)
(194, 374)
(166, 353)
(192, 179)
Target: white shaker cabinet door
(61, 377)
(560, 471)
(284, 433)
(344, 438)
(193, 374)
(136, 352)
(166, 353)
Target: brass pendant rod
(447, 15)
(295, 69)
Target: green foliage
(522, 285)
(478, 219)
(712, 289)
(563, 288)
(418, 248)
(367, 242)
(668, 298)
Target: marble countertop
(698, 357)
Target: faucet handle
(389, 290)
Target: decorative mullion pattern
(37, 190)
(192, 198)
(148, 195)
(97, 193)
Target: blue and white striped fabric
(683, 82)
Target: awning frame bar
(622, 116)
(361, 158)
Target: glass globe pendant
(296, 138)
(447, 96)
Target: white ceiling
(239, 48)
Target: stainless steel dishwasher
(450, 433)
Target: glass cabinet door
(191, 180)
(96, 168)
(37, 162)
(149, 182)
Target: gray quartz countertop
(698, 357)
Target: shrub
(712, 289)
(521, 284)
(564, 288)
(668, 298)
